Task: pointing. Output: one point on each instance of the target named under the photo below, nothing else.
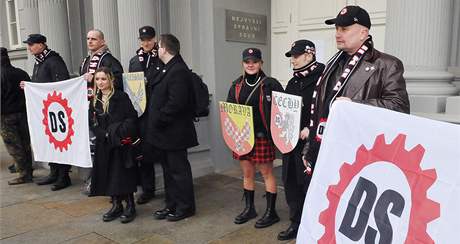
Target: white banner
(383, 177)
(57, 114)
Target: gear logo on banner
(363, 207)
(58, 121)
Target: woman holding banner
(113, 120)
(254, 88)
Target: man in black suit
(171, 130)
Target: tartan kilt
(263, 152)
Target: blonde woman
(113, 118)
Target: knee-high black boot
(249, 212)
(270, 216)
(115, 211)
(130, 211)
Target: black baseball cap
(35, 38)
(146, 32)
(300, 47)
(252, 53)
(350, 15)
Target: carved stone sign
(245, 27)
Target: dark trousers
(177, 174)
(295, 190)
(147, 169)
(61, 169)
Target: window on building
(13, 24)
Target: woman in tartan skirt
(254, 88)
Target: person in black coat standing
(306, 72)
(146, 60)
(49, 67)
(171, 130)
(14, 130)
(113, 121)
(98, 56)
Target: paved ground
(33, 214)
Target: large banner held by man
(383, 177)
(285, 120)
(237, 127)
(57, 114)
(134, 86)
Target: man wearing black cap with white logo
(306, 71)
(357, 73)
(49, 67)
(146, 60)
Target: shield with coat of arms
(237, 127)
(134, 86)
(285, 120)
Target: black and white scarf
(305, 70)
(95, 61)
(144, 57)
(40, 58)
(348, 70)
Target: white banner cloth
(383, 177)
(57, 115)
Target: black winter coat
(53, 68)
(13, 100)
(114, 169)
(303, 87)
(171, 108)
(152, 65)
(109, 61)
(265, 89)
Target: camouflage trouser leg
(15, 135)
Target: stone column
(181, 26)
(29, 25)
(133, 15)
(455, 57)
(419, 33)
(76, 36)
(54, 25)
(105, 18)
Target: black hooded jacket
(13, 100)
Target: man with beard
(357, 72)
